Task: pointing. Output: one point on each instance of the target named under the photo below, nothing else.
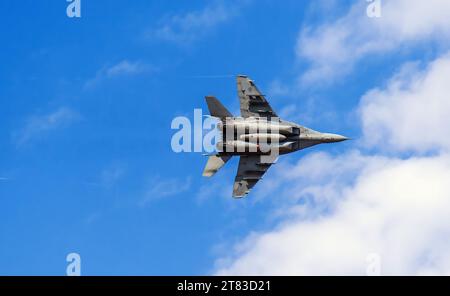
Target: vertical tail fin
(215, 162)
(216, 109)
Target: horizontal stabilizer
(214, 164)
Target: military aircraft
(258, 136)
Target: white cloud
(158, 188)
(39, 125)
(123, 68)
(412, 113)
(214, 189)
(111, 175)
(395, 208)
(336, 211)
(187, 27)
(333, 48)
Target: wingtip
(239, 196)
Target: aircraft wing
(252, 102)
(250, 171)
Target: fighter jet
(258, 136)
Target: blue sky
(86, 105)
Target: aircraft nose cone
(332, 138)
(339, 138)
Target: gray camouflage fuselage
(288, 137)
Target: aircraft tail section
(215, 162)
(216, 109)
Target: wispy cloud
(190, 26)
(158, 188)
(121, 69)
(333, 48)
(109, 177)
(412, 113)
(38, 125)
(214, 189)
